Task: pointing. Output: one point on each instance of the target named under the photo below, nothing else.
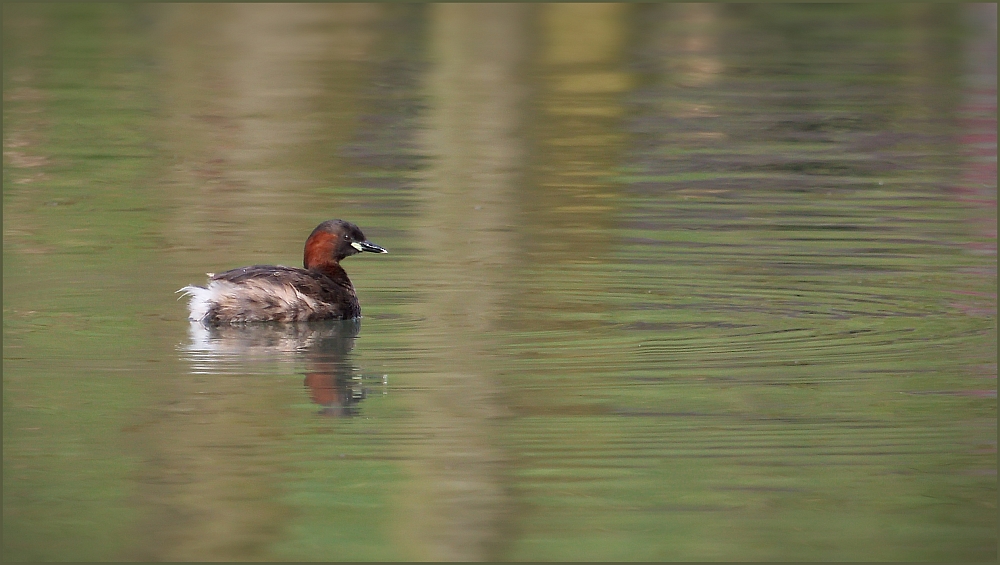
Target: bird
(273, 293)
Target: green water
(665, 282)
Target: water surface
(665, 282)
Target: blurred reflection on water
(668, 282)
(324, 348)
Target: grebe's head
(333, 240)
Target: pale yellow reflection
(582, 80)
(582, 43)
(240, 85)
(692, 40)
(258, 96)
(582, 33)
(456, 504)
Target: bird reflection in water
(324, 347)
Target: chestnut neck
(321, 254)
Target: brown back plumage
(283, 294)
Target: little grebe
(263, 293)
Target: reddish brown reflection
(332, 380)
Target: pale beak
(367, 246)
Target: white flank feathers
(201, 300)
